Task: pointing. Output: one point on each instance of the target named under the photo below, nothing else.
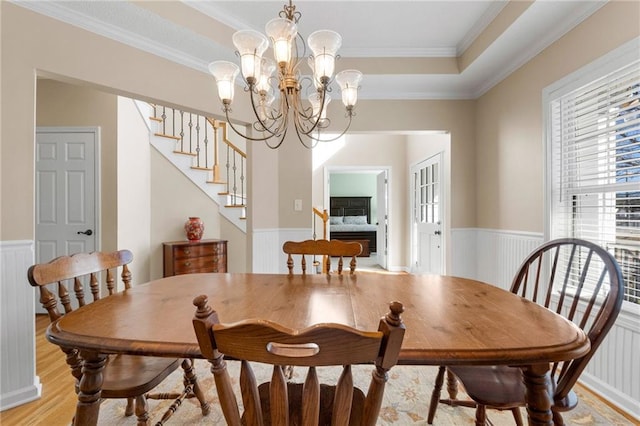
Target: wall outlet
(297, 205)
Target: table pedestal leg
(537, 381)
(90, 388)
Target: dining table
(449, 321)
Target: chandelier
(276, 88)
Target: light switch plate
(297, 205)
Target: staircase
(200, 148)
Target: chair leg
(452, 385)
(128, 411)
(435, 395)
(191, 379)
(481, 415)
(142, 411)
(517, 416)
(557, 419)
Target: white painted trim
(18, 381)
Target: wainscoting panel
(493, 256)
(268, 257)
(500, 253)
(18, 381)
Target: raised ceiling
(406, 49)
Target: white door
(383, 219)
(66, 191)
(426, 235)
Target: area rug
(406, 400)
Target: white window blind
(595, 168)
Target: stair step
(159, 120)
(231, 206)
(162, 135)
(206, 169)
(220, 182)
(191, 154)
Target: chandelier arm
(264, 126)
(299, 124)
(226, 113)
(314, 141)
(266, 141)
(318, 139)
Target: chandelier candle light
(288, 84)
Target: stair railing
(198, 136)
(324, 216)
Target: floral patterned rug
(406, 400)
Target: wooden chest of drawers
(184, 257)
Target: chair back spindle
(324, 248)
(279, 402)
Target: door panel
(426, 221)
(383, 219)
(66, 191)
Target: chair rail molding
(268, 242)
(18, 381)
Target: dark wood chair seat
(576, 279)
(124, 376)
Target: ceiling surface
(405, 49)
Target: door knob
(87, 232)
(437, 232)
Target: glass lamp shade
(315, 99)
(225, 74)
(267, 69)
(251, 45)
(282, 33)
(324, 44)
(349, 82)
(264, 106)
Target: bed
(350, 220)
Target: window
(593, 161)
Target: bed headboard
(350, 206)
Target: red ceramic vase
(194, 228)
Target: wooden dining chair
(325, 249)
(575, 278)
(125, 376)
(282, 403)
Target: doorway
(67, 192)
(427, 216)
(367, 182)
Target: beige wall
(507, 153)
(133, 198)
(510, 135)
(61, 104)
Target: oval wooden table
(449, 321)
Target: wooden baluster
(94, 286)
(78, 289)
(343, 398)
(126, 277)
(311, 399)
(63, 295)
(278, 398)
(110, 282)
(250, 395)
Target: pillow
(355, 220)
(335, 220)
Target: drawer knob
(187, 251)
(187, 264)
